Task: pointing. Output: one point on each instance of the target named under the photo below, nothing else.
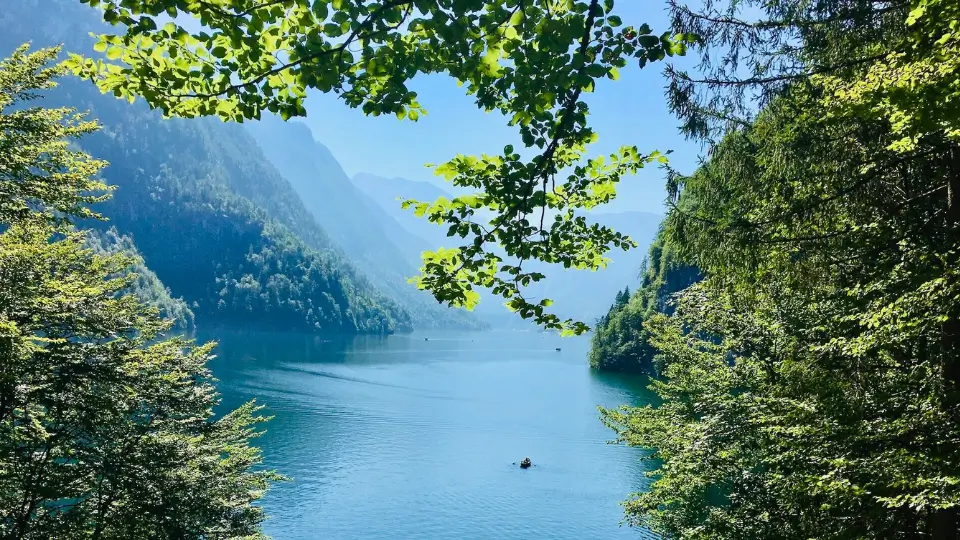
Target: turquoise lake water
(407, 438)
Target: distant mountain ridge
(385, 192)
(366, 232)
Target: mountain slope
(208, 212)
(386, 191)
(146, 286)
(369, 235)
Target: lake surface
(407, 438)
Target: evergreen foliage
(35, 148)
(207, 211)
(811, 381)
(106, 425)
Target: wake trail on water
(420, 392)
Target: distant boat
(558, 349)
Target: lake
(410, 438)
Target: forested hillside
(208, 212)
(367, 234)
(620, 341)
(808, 384)
(146, 286)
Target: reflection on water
(416, 437)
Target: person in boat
(525, 463)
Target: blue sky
(631, 110)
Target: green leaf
(648, 41)
(596, 70)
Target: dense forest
(145, 284)
(246, 249)
(809, 382)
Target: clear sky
(631, 110)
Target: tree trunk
(945, 524)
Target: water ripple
(412, 439)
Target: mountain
(387, 251)
(209, 213)
(385, 192)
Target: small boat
(525, 464)
(558, 349)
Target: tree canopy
(810, 381)
(530, 60)
(35, 148)
(107, 427)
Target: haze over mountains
(258, 224)
(578, 294)
(386, 251)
